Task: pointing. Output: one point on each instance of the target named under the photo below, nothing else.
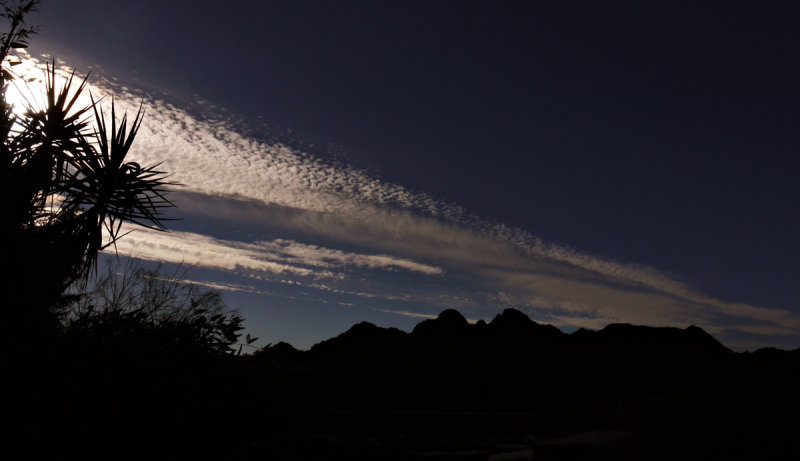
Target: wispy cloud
(314, 255)
(335, 229)
(200, 250)
(280, 256)
(413, 315)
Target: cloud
(418, 315)
(555, 289)
(313, 255)
(267, 211)
(279, 257)
(200, 250)
(414, 315)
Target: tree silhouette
(65, 185)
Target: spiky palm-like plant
(65, 187)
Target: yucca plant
(103, 191)
(65, 185)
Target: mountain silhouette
(622, 392)
(512, 335)
(449, 389)
(515, 363)
(450, 323)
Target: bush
(133, 306)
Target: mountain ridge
(513, 363)
(512, 325)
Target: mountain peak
(701, 336)
(511, 316)
(511, 321)
(448, 322)
(363, 335)
(452, 316)
(692, 339)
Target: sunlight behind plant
(28, 91)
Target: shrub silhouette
(65, 185)
(130, 306)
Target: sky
(384, 161)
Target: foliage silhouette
(65, 185)
(131, 306)
(129, 356)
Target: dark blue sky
(663, 134)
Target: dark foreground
(510, 389)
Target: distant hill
(455, 390)
(513, 363)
